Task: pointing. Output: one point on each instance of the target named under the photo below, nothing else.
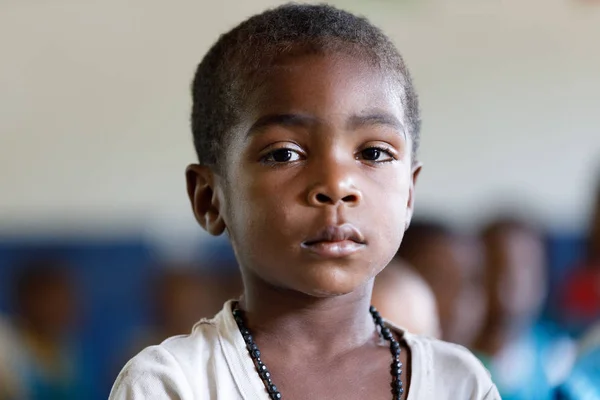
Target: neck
(327, 326)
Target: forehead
(328, 86)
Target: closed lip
(336, 233)
(335, 241)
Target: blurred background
(99, 252)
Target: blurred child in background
(10, 386)
(526, 359)
(580, 297)
(584, 381)
(449, 264)
(399, 284)
(47, 362)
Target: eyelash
(382, 149)
(268, 157)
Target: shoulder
(439, 365)
(165, 370)
(154, 372)
(445, 354)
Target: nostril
(350, 199)
(321, 198)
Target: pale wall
(94, 106)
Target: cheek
(259, 213)
(389, 202)
(384, 218)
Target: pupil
(282, 155)
(371, 154)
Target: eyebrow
(300, 120)
(286, 120)
(378, 118)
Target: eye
(376, 154)
(282, 155)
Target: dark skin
(323, 145)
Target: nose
(335, 186)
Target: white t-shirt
(212, 363)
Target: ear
(410, 207)
(204, 198)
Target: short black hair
(227, 73)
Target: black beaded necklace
(265, 375)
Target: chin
(332, 284)
(325, 293)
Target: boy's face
(318, 185)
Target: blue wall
(113, 279)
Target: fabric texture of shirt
(212, 363)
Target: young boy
(306, 126)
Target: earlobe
(202, 193)
(410, 207)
